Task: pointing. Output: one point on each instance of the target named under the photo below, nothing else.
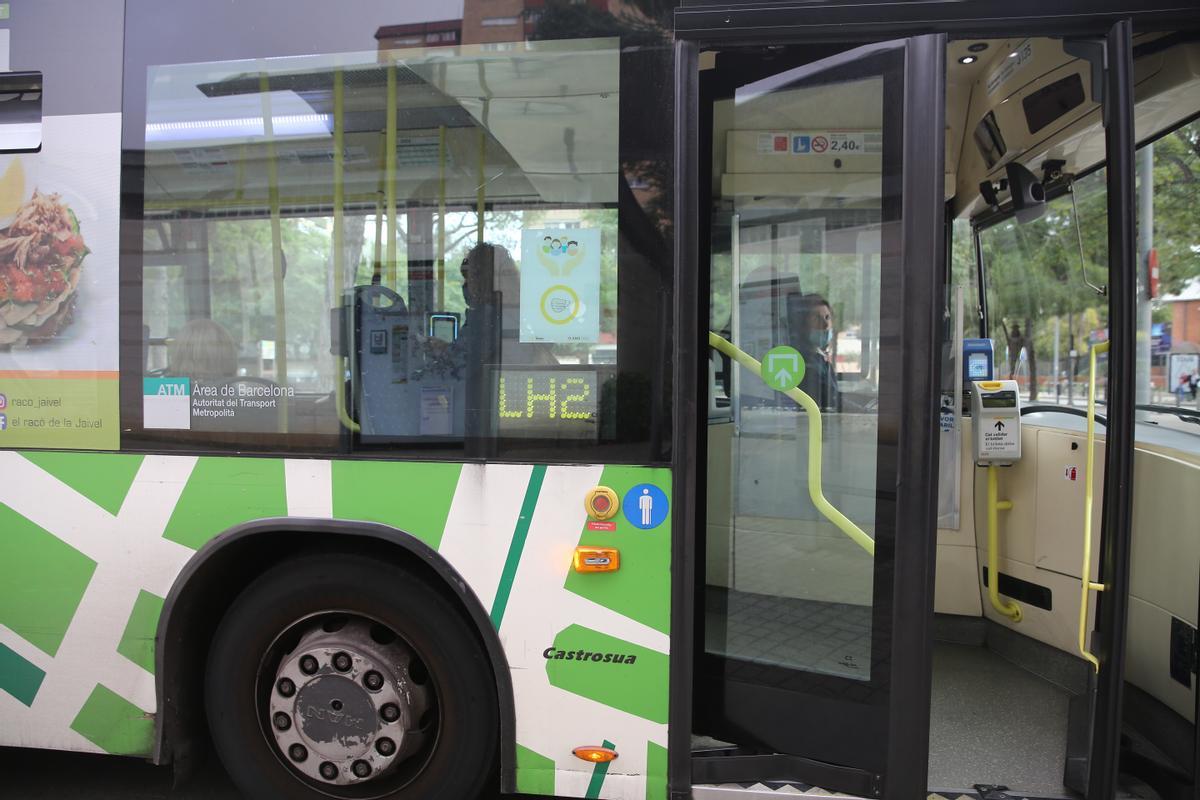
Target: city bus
(607, 399)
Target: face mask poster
(560, 285)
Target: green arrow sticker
(783, 368)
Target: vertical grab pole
(441, 232)
(264, 88)
(1086, 582)
(389, 172)
(1007, 608)
(339, 246)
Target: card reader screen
(977, 366)
(999, 400)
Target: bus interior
(800, 221)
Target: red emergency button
(601, 503)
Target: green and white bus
(604, 399)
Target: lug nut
(386, 747)
(298, 752)
(328, 771)
(282, 721)
(342, 662)
(373, 681)
(286, 687)
(308, 665)
(361, 769)
(390, 712)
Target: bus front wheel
(342, 676)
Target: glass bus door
(816, 318)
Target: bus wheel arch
(228, 563)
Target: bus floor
(994, 722)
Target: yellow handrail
(1086, 581)
(1007, 608)
(839, 519)
(339, 241)
(280, 365)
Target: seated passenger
(814, 341)
(492, 291)
(202, 350)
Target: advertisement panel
(58, 287)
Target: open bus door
(826, 237)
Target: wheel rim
(347, 705)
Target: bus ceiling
(1023, 106)
(1033, 103)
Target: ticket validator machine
(996, 414)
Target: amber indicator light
(596, 755)
(596, 559)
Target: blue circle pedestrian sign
(645, 506)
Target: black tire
(459, 762)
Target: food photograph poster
(58, 287)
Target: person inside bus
(490, 333)
(814, 341)
(202, 350)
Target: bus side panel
(93, 543)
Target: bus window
(1044, 308)
(368, 250)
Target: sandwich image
(41, 257)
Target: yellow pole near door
(815, 492)
(441, 256)
(339, 248)
(389, 172)
(1086, 574)
(994, 507)
(280, 359)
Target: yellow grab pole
(390, 177)
(264, 88)
(1007, 608)
(339, 243)
(843, 523)
(441, 256)
(1086, 582)
(480, 190)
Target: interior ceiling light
(968, 60)
(977, 47)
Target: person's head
(203, 350)
(818, 321)
(488, 268)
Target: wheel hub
(344, 708)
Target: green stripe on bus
(599, 772)
(103, 478)
(611, 671)
(19, 677)
(42, 581)
(656, 772)
(518, 544)
(535, 772)
(640, 589)
(114, 724)
(414, 497)
(223, 492)
(137, 642)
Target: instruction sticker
(1000, 437)
(1020, 56)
